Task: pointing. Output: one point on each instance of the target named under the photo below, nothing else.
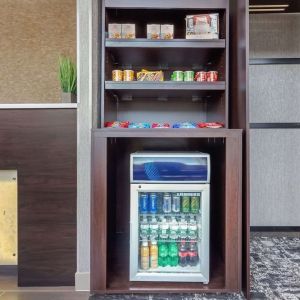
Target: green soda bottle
(195, 204)
(173, 254)
(163, 259)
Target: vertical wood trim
(233, 231)
(99, 214)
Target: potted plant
(68, 79)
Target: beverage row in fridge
(154, 203)
(155, 254)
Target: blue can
(144, 203)
(153, 203)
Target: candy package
(160, 125)
(139, 125)
(117, 124)
(210, 125)
(185, 125)
(145, 75)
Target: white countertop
(39, 106)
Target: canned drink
(153, 203)
(167, 203)
(128, 75)
(185, 204)
(212, 76)
(144, 203)
(201, 76)
(117, 75)
(176, 204)
(189, 75)
(195, 204)
(177, 76)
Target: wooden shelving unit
(170, 102)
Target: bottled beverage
(193, 229)
(183, 254)
(176, 204)
(163, 258)
(153, 203)
(153, 255)
(193, 254)
(185, 204)
(167, 203)
(153, 229)
(144, 203)
(144, 256)
(164, 229)
(159, 202)
(144, 228)
(183, 227)
(174, 229)
(195, 204)
(173, 254)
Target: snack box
(153, 31)
(204, 26)
(128, 31)
(115, 31)
(167, 32)
(145, 75)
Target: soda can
(117, 75)
(128, 75)
(212, 76)
(176, 204)
(189, 75)
(201, 76)
(177, 76)
(167, 203)
(185, 204)
(153, 203)
(144, 203)
(195, 204)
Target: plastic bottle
(176, 204)
(183, 226)
(193, 254)
(193, 229)
(195, 204)
(173, 254)
(164, 229)
(167, 203)
(163, 258)
(153, 229)
(144, 203)
(144, 256)
(144, 228)
(153, 255)
(183, 254)
(185, 204)
(174, 229)
(153, 203)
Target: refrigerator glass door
(169, 238)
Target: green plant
(67, 75)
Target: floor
(275, 275)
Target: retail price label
(188, 194)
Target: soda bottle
(153, 229)
(144, 256)
(193, 254)
(144, 203)
(164, 229)
(173, 254)
(163, 259)
(183, 226)
(159, 203)
(185, 204)
(176, 204)
(153, 255)
(144, 228)
(183, 254)
(153, 203)
(167, 203)
(193, 229)
(195, 204)
(174, 229)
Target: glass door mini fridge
(169, 217)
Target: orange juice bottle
(153, 255)
(144, 256)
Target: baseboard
(275, 228)
(82, 281)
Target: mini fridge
(169, 216)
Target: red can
(201, 76)
(212, 76)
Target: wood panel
(41, 146)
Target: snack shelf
(174, 43)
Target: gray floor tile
(44, 296)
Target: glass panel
(170, 232)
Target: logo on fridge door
(188, 194)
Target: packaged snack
(117, 124)
(177, 76)
(160, 125)
(167, 32)
(189, 75)
(201, 76)
(204, 26)
(128, 75)
(210, 125)
(145, 75)
(153, 31)
(128, 31)
(117, 75)
(139, 125)
(212, 76)
(185, 125)
(115, 31)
